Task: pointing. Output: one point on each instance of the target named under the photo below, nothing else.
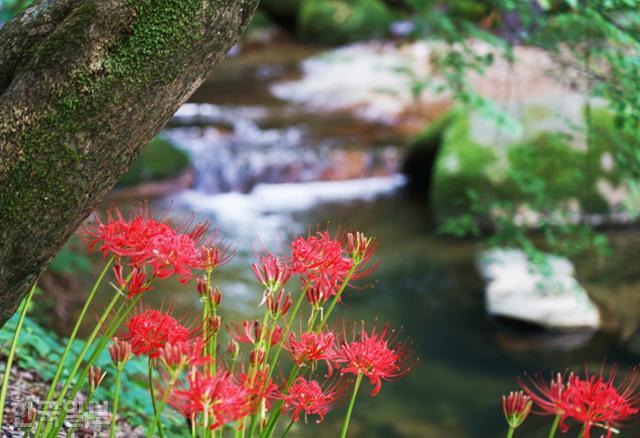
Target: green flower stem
(112, 327)
(286, 431)
(165, 397)
(12, 351)
(287, 329)
(275, 414)
(152, 393)
(510, 431)
(554, 426)
(347, 418)
(74, 333)
(116, 398)
(336, 298)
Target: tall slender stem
(554, 426)
(113, 326)
(12, 351)
(286, 431)
(72, 337)
(336, 298)
(116, 398)
(347, 418)
(163, 401)
(510, 431)
(152, 393)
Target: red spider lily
(150, 330)
(516, 407)
(308, 397)
(362, 249)
(279, 305)
(136, 284)
(120, 351)
(96, 376)
(250, 333)
(313, 347)
(213, 254)
(374, 356)
(596, 401)
(180, 354)
(173, 255)
(261, 389)
(547, 396)
(145, 240)
(126, 237)
(272, 272)
(321, 261)
(219, 398)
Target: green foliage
(71, 259)
(159, 160)
(542, 173)
(340, 21)
(40, 350)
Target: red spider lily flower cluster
(309, 398)
(272, 273)
(374, 356)
(142, 240)
(313, 347)
(592, 400)
(516, 408)
(322, 263)
(244, 383)
(150, 330)
(219, 398)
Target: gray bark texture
(84, 84)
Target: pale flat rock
(517, 289)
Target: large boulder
(545, 166)
(544, 293)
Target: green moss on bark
(154, 51)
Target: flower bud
(256, 357)
(95, 377)
(233, 348)
(202, 286)
(120, 352)
(215, 322)
(215, 297)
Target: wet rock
(548, 296)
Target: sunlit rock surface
(549, 296)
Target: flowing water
(267, 169)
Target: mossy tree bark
(83, 85)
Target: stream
(268, 169)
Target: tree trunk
(84, 84)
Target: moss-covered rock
(341, 21)
(159, 160)
(543, 171)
